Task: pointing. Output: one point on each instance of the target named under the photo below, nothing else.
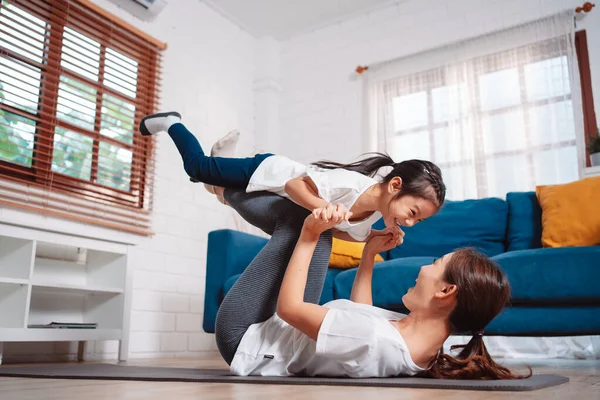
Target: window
(498, 123)
(73, 88)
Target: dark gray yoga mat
(133, 373)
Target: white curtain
(497, 113)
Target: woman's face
(429, 282)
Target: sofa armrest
(564, 276)
(229, 253)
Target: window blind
(74, 84)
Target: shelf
(76, 305)
(49, 276)
(58, 335)
(16, 256)
(62, 287)
(102, 271)
(13, 280)
(13, 304)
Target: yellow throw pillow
(570, 213)
(347, 254)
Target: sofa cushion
(524, 230)
(391, 281)
(326, 294)
(469, 223)
(546, 321)
(555, 276)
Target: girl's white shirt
(333, 185)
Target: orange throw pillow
(570, 213)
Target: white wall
(322, 110)
(208, 75)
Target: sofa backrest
(524, 229)
(469, 223)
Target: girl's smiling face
(405, 210)
(408, 210)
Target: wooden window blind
(74, 84)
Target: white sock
(225, 147)
(161, 122)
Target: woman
(270, 322)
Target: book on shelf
(65, 325)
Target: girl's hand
(325, 218)
(381, 243)
(395, 231)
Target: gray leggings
(253, 298)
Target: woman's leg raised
(253, 298)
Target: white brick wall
(321, 110)
(175, 303)
(208, 76)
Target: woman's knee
(265, 210)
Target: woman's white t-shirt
(355, 340)
(334, 185)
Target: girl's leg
(219, 171)
(253, 298)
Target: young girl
(402, 193)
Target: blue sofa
(555, 291)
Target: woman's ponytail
(482, 292)
(473, 362)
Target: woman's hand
(394, 230)
(380, 243)
(325, 218)
(377, 242)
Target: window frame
(589, 115)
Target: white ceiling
(284, 18)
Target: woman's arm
(362, 287)
(291, 308)
(306, 317)
(304, 192)
(362, 291)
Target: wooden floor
(584, 384)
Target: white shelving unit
(37, 291)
